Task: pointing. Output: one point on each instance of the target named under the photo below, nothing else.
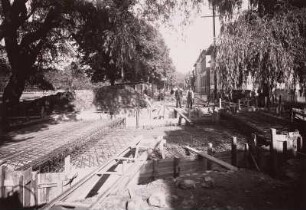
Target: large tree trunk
(11, 96)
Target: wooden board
(165, 168)
(75, 188)
(213, 159)
(183, 116)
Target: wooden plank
(182, 115)
(167, 164)
(46, 185)
(27, 187)
(213, 159)
(2, 177)
(190, 167)
(34, 200)
(72, 204)
(67, 166)
(122, 182)
(234, 151)
(22, 191)
(105, 167)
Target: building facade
(204, 76)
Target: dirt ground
(231, 190)
(244, 189)
(215, 189)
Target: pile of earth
(113, 99)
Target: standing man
(190, 97)
(178, 97)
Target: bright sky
(185, 45)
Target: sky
(186, 44)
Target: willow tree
(272, 49)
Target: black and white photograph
(152, 104)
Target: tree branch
(5, 5)
(14, 15)
(49, 23)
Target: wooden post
(299, 144)
(67, 166)
(239, 105)
(176, 167)
(246, 155)
(42, 112)
(180, 120)
(137, 117)
(27, 187)
(254, 138)
(22, 191)
(204, 160)
(209, 152)
(2, 177)
(285, 150)
(273, 152)
(280, 104)
(161, 148)
(155, 171)
(220, 103)
(273, 138)
(234, 151)
(266, 101)
(34, 199)
(187, 152)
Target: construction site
(147, 154)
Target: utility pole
(214, 47)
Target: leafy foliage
(122, 47)
(271, 48)
(41, 34)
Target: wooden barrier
(234, 151)
(213, 159)
(209, 152)
(282, 146)
(166, 168)
(181, 115)
(33, 189)
(293, 141)
(298, 114)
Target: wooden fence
(29, 188)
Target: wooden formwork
(298, 114)
(282, 147)
(30, 189)
(118, 172)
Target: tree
(122, 47)
(34, 32)
(271, 48)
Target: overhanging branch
(49, 23)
